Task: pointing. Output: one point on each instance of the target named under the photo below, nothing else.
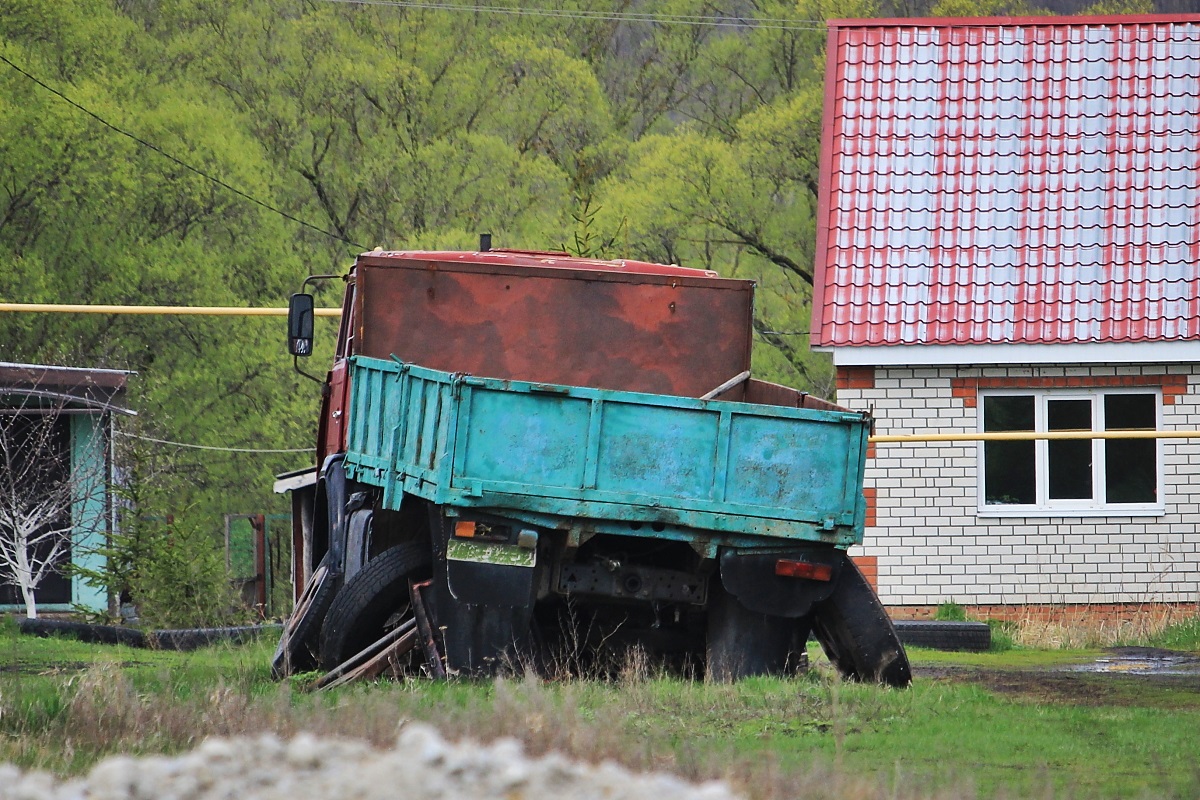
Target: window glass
(1069, 461)
(1090, 474)
(1131, 464)
(1010, 476)
(1130, 412)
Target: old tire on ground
(358, 615)
(183, 639)
(945, 635)
(742, 643)
(856, 634)
(94, 634)
(297, 649)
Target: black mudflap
(856, 633)
(481, 612)
(742, 643)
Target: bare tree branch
(40, 485)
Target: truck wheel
(377, 593)
(856, 634)
(743, 643)
(297, 649)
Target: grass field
(1003, 724)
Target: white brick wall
(933, 546)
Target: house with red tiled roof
(1009, 241)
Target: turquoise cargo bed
(592, 460)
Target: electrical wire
(211, 311)
(767, 23)
(210, 447)
(180, 162)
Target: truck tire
(856, 634)
(743, 643)
(297, 649)
(367, 601)
(945, 635)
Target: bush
(174, 573)
(950, 612)
(182, 582)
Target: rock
(265, 768)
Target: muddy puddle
(1148, 661)
(1122, 676)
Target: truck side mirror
(300, 325)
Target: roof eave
(963, 22)
(899, 355)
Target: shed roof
(1010, 181)
(95, 389)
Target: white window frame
(1044, 507)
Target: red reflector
(803, 569)
(464, 530)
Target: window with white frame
(1065, 475)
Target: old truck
(528, 458)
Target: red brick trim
(967, 389)
(1065, 614)
(869, 567)
(856, 377)
(870, 494)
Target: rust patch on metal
(665, 334)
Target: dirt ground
(1126, 676)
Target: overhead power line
(210, 447)
(179, 161)
(214, 311)
(707, 20)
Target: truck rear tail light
(482, 531)
(803, 569)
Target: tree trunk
(24, 578)
(30, 601)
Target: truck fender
(329, 519)
(358, 538)
(750, 577)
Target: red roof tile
(994, 181)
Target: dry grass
(637, 720)
(1078, 628)
(811, 737)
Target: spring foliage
(343, 127)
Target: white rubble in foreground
(422, 764)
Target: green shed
(56, 474)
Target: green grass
(984, 725)
(1180, 636)
(951, 612)
(1010, 658)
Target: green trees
(225, 150)
(733, 186)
